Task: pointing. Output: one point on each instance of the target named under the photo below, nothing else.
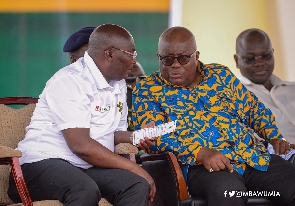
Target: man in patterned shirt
(216, 121)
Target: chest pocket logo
(103, 109)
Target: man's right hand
(141, 172)
(213, 160)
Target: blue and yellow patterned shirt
(219, 113)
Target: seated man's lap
(215, 186)
(115, 181)
(52, 178)
(279, 179)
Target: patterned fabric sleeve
(257, 116)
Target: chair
(170, 183)
(12, 130)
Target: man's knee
(87, 193)
(142, 187)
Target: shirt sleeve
(257, 116)
(68, 101)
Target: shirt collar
(273, 79)
(244, 80)
(97, 76)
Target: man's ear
(109, 54)
(72, 59)
(236, 58)
(197, 55)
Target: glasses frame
(133, 55)
(252, 60)
(161, 58)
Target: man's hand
(146, 143)
(281, 146)
(214, 161)
(152, 184)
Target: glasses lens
(250, 60)
(168, 60)
(266, 57)
(183, 59)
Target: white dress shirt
(280, 100)
(77, 96)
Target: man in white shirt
(81, 114)
(255, 59)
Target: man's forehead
(254, 45)
(177, 47)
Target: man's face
(125, 59)
(179, 72)
(255, 59)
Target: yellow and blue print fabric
(219, 113)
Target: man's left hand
(281, 146)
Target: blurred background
(32, 33)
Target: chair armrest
(126, 148)
(7, 152)
(9, 156)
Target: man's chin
(178, 82)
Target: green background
(31, 44)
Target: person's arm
(261, 119)
(123, 137)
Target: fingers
(152, 191)
(284, 147)
(213, 160)
(223, 164)
(229, 166)
(151, 124)
(281, 146)
(146, 143)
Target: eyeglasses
(169, 60)
(134, 54)
(251, 60)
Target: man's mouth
(260, 72)
(175, 75)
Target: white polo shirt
(77, 96)
(280, 100)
